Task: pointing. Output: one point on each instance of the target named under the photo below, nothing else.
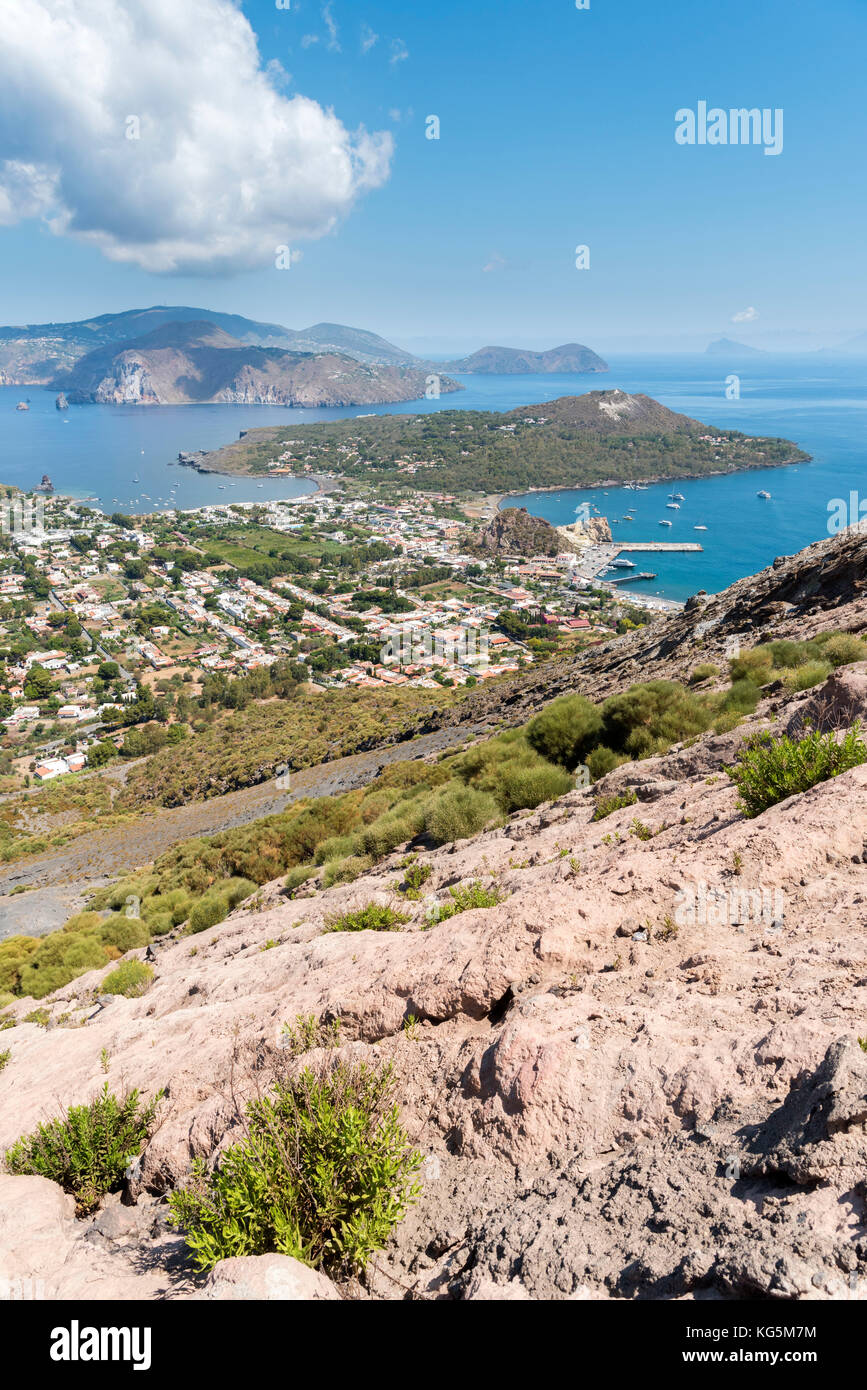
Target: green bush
(346, 870)
(414, 878)
(88, 1147)
(566, 730)
(769, 770)
(742, 697)
(755, 665)
(373, 917)
(526, 787)
(126, 933)
(607, 805)
(131, 979)
(208, 912)
(841, 648)
(649, 718)
(60, 958)
(297, 876)
(458, 812)
(324, 1175)
(704, 672)
(808, 674)
(602, 761)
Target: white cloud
(496, 262)
(309, 40)
(399, 51)
(331, 26)
(225, 168)
(368, 38)
(745, 315)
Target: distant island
(725, 347)
(575, 441)
(85, 357)
(504, 361)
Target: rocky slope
(636, 1076)
(198, 363)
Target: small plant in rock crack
(862, 1043)
(607, 805)
(414, 878)
(324, 1175)
(737, 863)
(574, 864)
(667, 931)
(373, 917)
(4, 1058)
(41, 1017)
(308, 1032)
(612, 838)
(87, 1148)
(269, 945)
(411, 1027)
(465, 898)
(640, 830)
(104, 1060)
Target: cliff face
(197, 363)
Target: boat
(665, 523)
(22, 405)
(677, 496)
(699, 528)
(673, 506)
(762, 493)
(621, 563)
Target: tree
(38, 685)
(108, 671)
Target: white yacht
(665, 523)
(699, 528)
(762, 493)
(673, 506)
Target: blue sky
(557, 128)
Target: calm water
(820, 404)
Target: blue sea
(819, 403)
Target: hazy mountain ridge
(197, 362)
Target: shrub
(126, 933)
(808, 674)
(324, 1175)
(566, 731)
(458, 812)
(337, 847)
(296, 877)
(742, 697)
(704, 672)
(4, 1058)
(841, 648)
(208, 911)
(373, 917)
(346, 870)
(130, 979)
(769, 770)
(755, 665)
(602, 760)
(648, 718)
(465, 898)
(523, 787)
(88, 1147)
(607, 805)
(60, 958)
